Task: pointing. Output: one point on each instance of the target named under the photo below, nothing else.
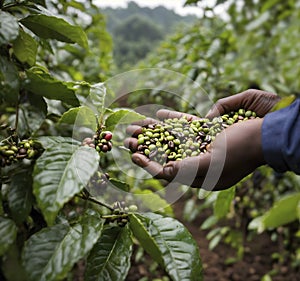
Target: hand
(260, 102)
(235, 153)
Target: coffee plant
(57, 172)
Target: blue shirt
(281, 138)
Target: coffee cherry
(107, 135)
(132, 208)
(122, 222)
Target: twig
(96, 202)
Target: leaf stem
(96, 202)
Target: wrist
(256, 127)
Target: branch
(96, 202)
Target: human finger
(152, 167)
(131, 143)
(170, 114)
(225, 105)
(145, 122)
(134, 130)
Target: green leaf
(96, 98)
(139, 227)
(122, 116)
(9, 81)
(223, 202)
(8, 234)
(259, 21)
(43, 84)
(61, 172)
(209, 222)
(81, 116)
(170, 244)
(51, 253)
(49, 27)
(9, 28)
(266, 277)
(284, 102)
(13, 257)
(153, 201)
(25, 48)
(20, 197)
(283, 211)
(256, 224)
(110, 257)
(266, 6)
(120, 184)
(214, 242)
(54, 141)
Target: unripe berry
(133, 208)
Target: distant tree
(137, 27)
(134, 38)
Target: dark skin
(235, 153)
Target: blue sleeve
(281, 138)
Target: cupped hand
(260, 102)
(235, 153)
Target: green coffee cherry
(132, 208)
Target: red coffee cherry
(107, 135)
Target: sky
(176, 5)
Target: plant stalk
(96, 202)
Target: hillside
(137, 30)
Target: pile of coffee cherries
(176, 139)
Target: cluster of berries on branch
(12, 150)
(101, 141)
